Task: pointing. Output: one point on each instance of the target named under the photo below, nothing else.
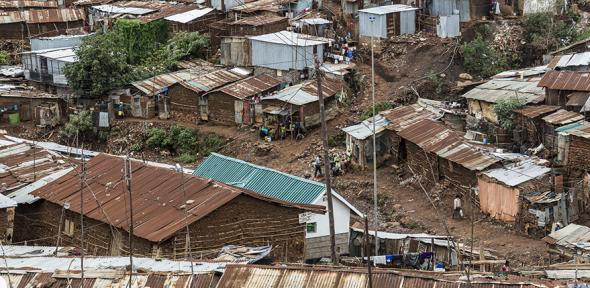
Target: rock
(395, 225)
(465, 76)
(397, 207)
(464, 83)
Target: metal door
(238, 108)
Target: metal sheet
(259, 20)
(536, 110)
(497, 200)
(562, 117)
(502, 89)
(210, 81)
(566, 80)
(250, 86)
(43, 16)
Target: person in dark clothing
(317, 164)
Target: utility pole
(375, 207)
(326, 161)
(188, 235)
(127, 170)
(82, 180)
(368, 251)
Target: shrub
(504, 110)
(137, 147)
(79, 124)
(157, 138)
(212, 143)
(481, 59)
(4, 57)
(379, 106)
(186, 158)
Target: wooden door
(238, 109)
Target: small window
(69, 227)
(312, 227)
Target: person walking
(457, 210)
(318, 166)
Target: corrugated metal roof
(448, 144)
(525, 73)
(315, 21)
(65, 55)
(6, 202)
(211, 81)
(156, 84)
(262, 5)
(263, 180)
(577, 98)
(250, 86)
(154, 220)
(570, 60)
(259, 20)
(579, 129)
(562, 117)
(404, 116)
(189, 16)
(566, 80)
(569, 235)
(306, 92)
(365, 129)
(291, 39)
(28, 4)
(166, 12)
(112, 9)
(254, 276)
(514, 174)
(387, 9)
(399, 236)
(503, 89)
(536, 110)
(43, 16)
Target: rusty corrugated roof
(536, 111)
(27, 4)
(251, 86)
(211, 81)
(436, 138)
(566, 80)
(563, 117)
(259, 20)
(404, 116)
(258, 276)
(157, 196)
(43, 16)
(156, 84)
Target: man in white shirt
(457, 210)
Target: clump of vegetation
(4, 57)
(544, 33)
(437, 80)
(504, 110)
(130, 51)
(481, 59)
(379, 106)
(79, 125)
(183, 142)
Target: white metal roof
(6, 202)
(66, 55)
(107, 8)
(315, 21)
(570, 235)
(32, 251)
(23, 195)
(365, 129)
(188, 16)
(514, 174)
(387, 9)
(577, 59)
(291, 39)
(293, 95)
(399, 236)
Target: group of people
(282, 130)
(335, 165)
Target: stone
(465, 76)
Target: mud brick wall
(183, 99)
(221, 108)
(423, 164)
(532, 129)
(243, 221)
(458, 176)
(579, 153)
(397, 147)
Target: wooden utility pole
(82, 180)
(127, 170)
(327, 169)
(368, 251)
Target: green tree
(186, 44)
(79, 125)
(482, 59)
(504, 108)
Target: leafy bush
(212, 143)
(504, 110)
(186, 158)
(80, 124)
(185, 44)
(481, 59)
(379, 106)
(137, 147)
(157, 138)
(544, 32)
(4, 57)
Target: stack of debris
(243, 254)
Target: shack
(45, 22)
(214, 212)
(481, 99)
(7, 209)
(359, 141)
(435, 152)
(189, 96)
(258, 25)
(239, 102)
(313, 26)
(573, 144)
(300, 103)
(561, 84)
(501, 192)
(385, 21)
(28, 104)
(568, 241)
(552, 122)
(196, 20)
(529, 127)
(286, 187)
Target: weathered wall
(221, 107)
(458, 176)
(482, 108)
(318, 247)
(245, 221)
(424, 164)
(578, 154)
(497, 200)
(531, 130)
(183, 99)
(251, 30)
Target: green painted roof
(266, 181)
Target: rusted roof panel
(156, 5)
(436, 138)
(156, 84)
(165, 12)
(251, 86)
(43, 16)
(259, 20)
(577, 98)
(566, 80)
(536, 111)
(211, 81)
(563, 117)
(157, 196)
(262, 5)
(404, 116)
(7, 4)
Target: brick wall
(183, 99)
(318, 247)
(221, 108)
(579, 153)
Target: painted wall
(284, 57)
(341, 218)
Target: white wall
(376, 29)
(341, 219)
